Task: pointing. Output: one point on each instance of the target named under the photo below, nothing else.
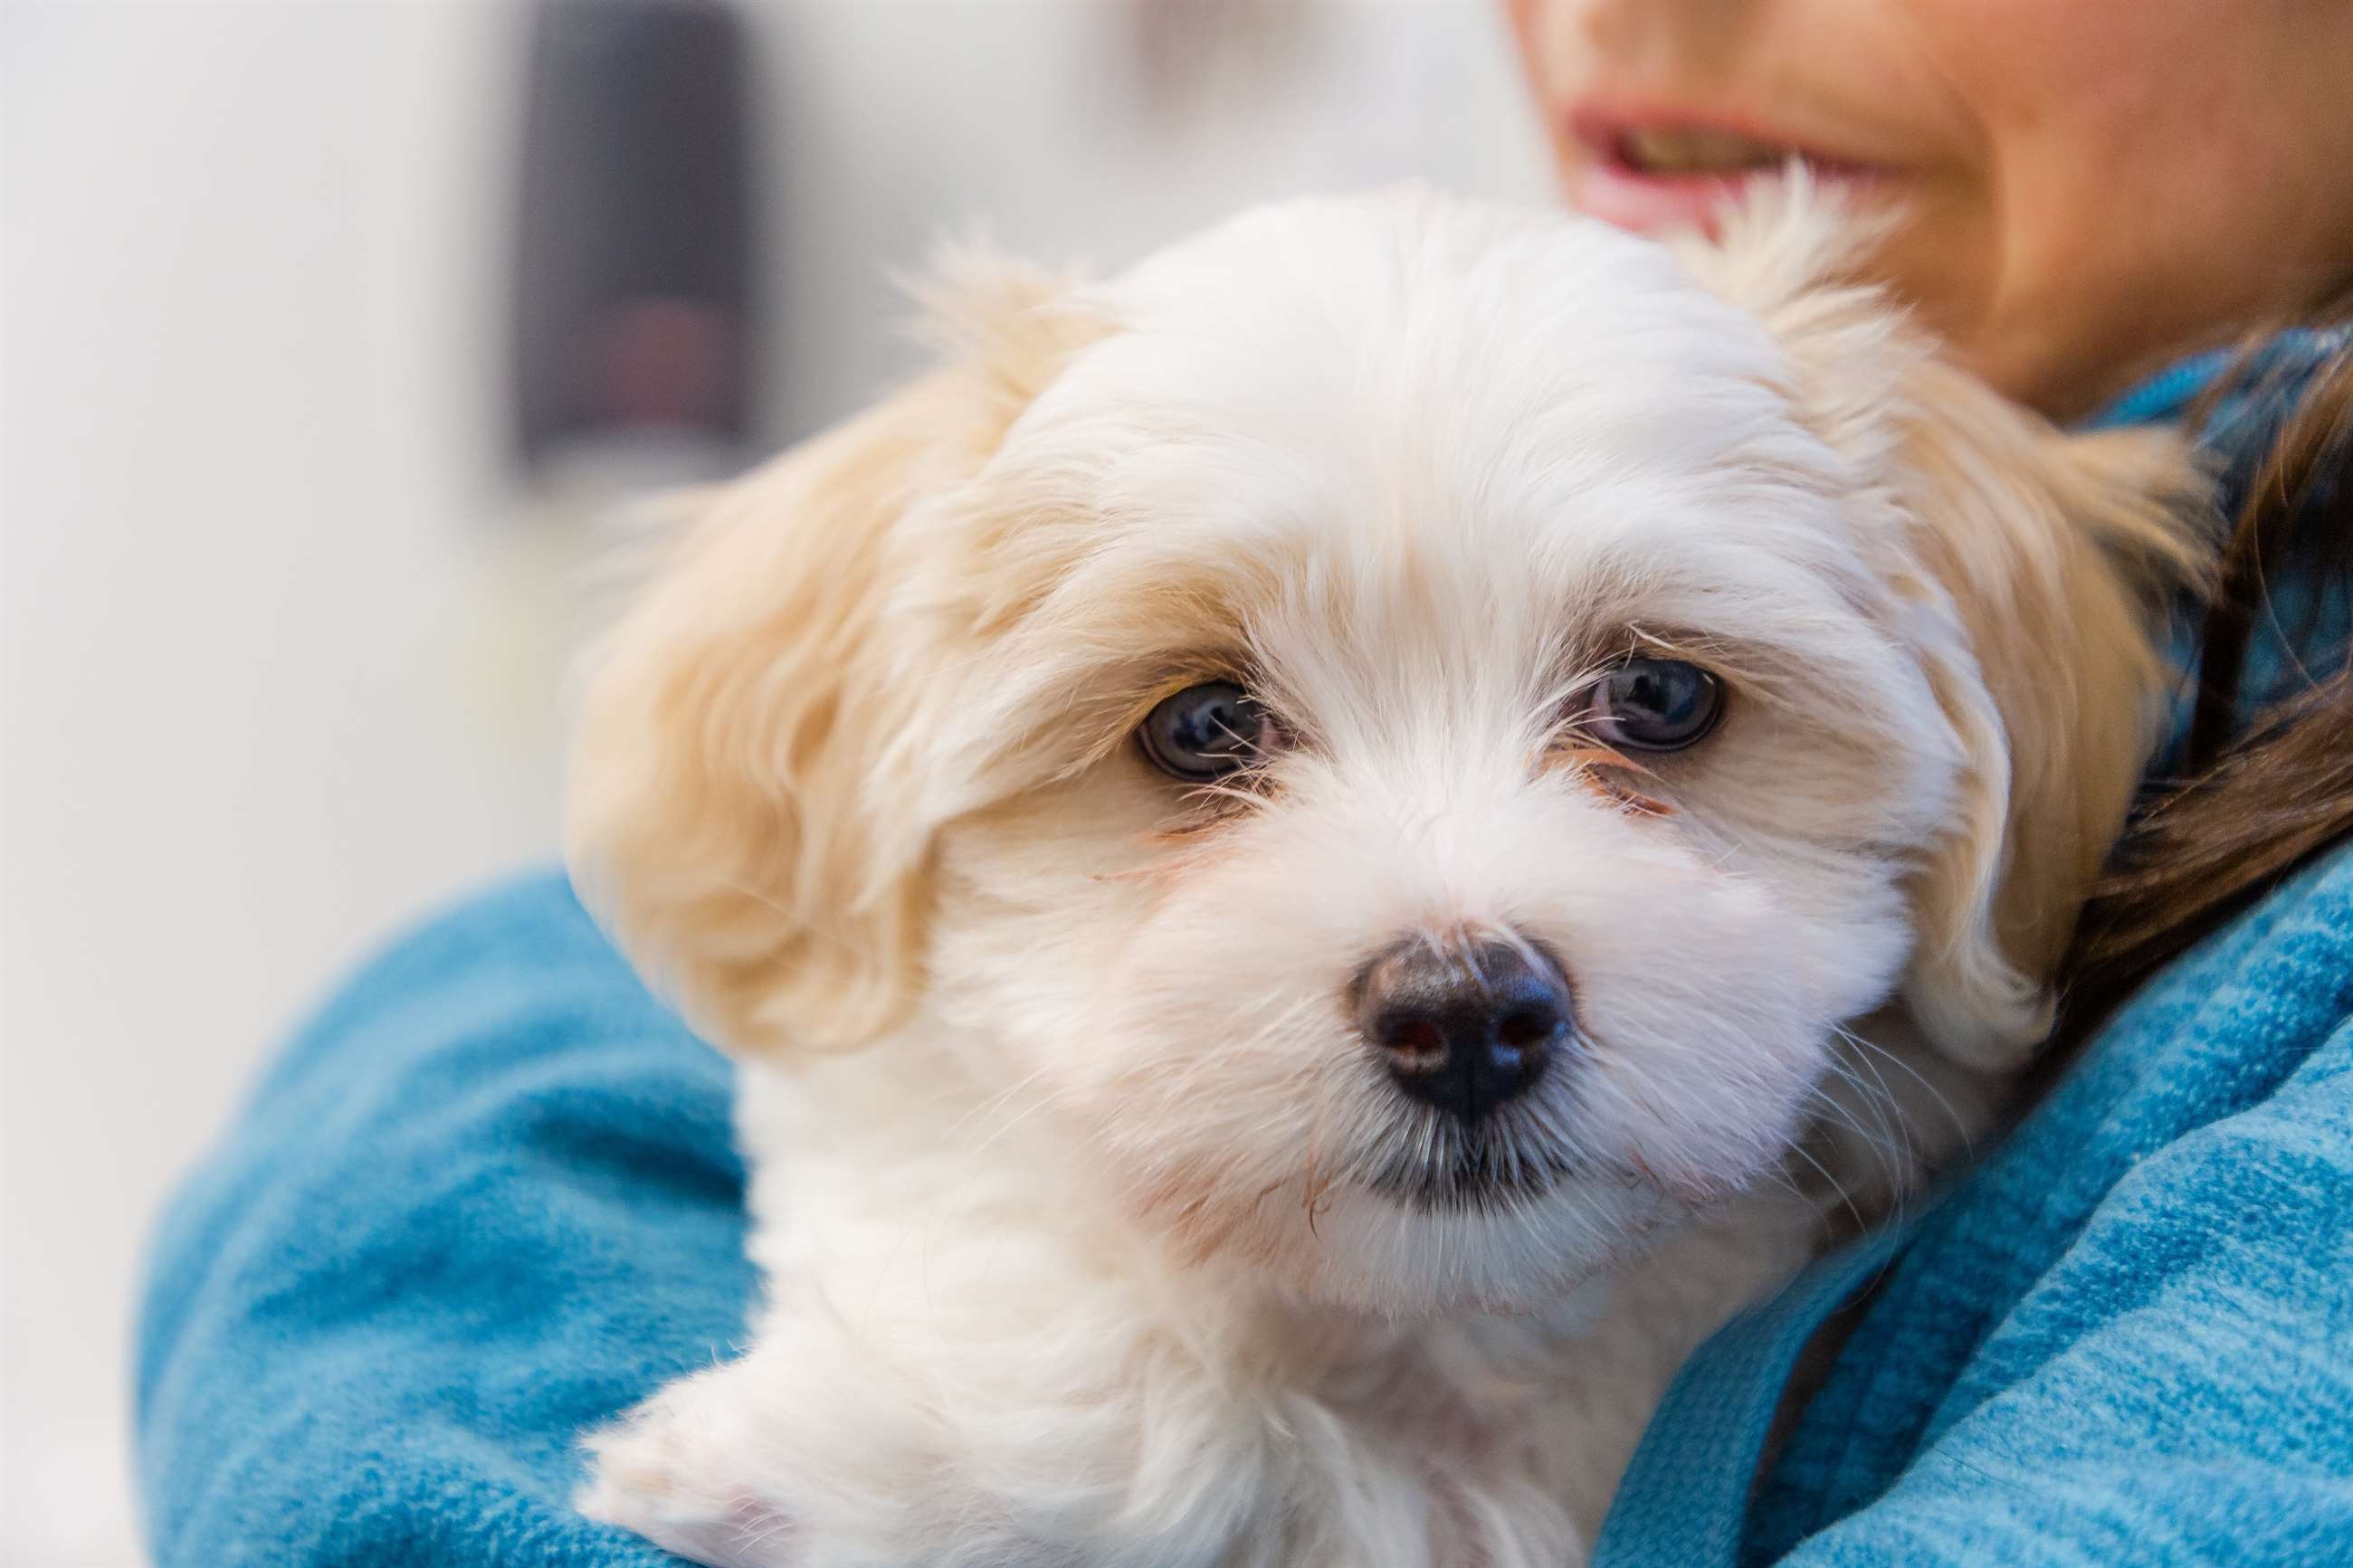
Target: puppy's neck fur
(1058, 1314)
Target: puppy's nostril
(1417, 1043)
(1464, 1031)
(1528, 1029)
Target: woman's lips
(1650, 203)
(1649, 172)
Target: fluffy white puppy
(1321, 856)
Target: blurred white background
(282, 631)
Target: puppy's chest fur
(1545, 1409)
(1034, 1350)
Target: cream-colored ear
(2058, 555)
(2040, 564)
(740, 817)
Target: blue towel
(487, 1199)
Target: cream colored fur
(1061, 1130)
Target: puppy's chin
(1438, 1250)
(1434, 1221)
(1503, 1165)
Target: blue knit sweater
(488, 1199)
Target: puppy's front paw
(668, 1471)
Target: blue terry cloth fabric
(487, 1199)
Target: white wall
(278, 644)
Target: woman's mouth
(1669, 150)
(1649, 173)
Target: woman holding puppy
(2115, 1336)
(2111, 1340)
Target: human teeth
(1693, 150)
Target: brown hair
(2251, 809)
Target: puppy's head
(1404, 727)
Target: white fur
(1060, 1126)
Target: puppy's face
(1403, 730)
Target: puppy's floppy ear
(2038, 566)
(2058, 555)
(743, 815)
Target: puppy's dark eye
(1205, 732)
(1656, 705)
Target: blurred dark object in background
(633, 305)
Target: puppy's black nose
(1464, 1029)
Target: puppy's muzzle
(1466, 1027)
